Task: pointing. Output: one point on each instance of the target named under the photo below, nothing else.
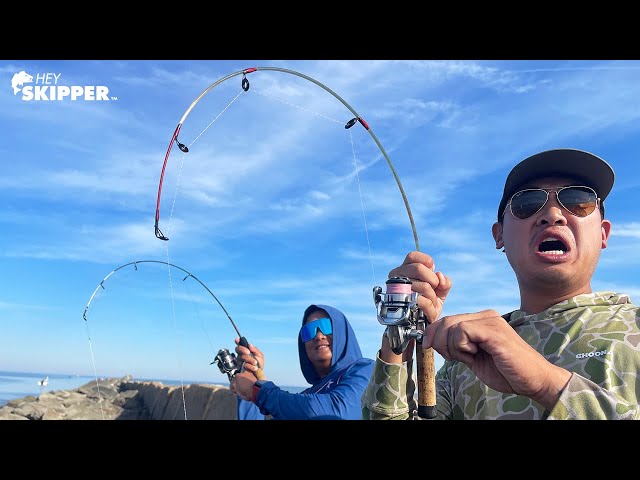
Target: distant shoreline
(117, 399)
(16, 385)
(166, 381)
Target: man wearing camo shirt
(567, 352)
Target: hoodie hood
(345, 348)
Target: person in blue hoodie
(331, 362)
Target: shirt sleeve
(342, 402)
(583, 399)
(390, 392)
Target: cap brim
(590, 169)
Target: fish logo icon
(20, 78)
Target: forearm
(583, 399)
(389, 394)
(387, 355)
(556, 383)
(342, 401)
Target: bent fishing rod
(424, 357)
(243, 340)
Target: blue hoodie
(336, 396)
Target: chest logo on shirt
(327, 385)
(592, 354)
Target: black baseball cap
(590, 169)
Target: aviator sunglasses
(309, 330)
(577, 200)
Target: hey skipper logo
(48, 87)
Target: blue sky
(276, 206)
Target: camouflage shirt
(595, 336)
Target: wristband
(256, 389)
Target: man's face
(553, 249)
(319, 348)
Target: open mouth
(553, 246)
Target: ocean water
(177, 383)
(18, 384)
(15, 385)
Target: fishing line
(175, 328)
(245, 86)
(364, 215)
(355, 163)
(101, 285)
(169, 230)
(93, 361)
(317, 114)
(426, 367)
(217, 117)
(199, 317)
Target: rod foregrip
(258, 373)
(426, 382)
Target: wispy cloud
(96, 243)
(488, 76)
(119, 179)
(268, 207)
(416, 112)
(629, 230)
(618, 254)
(21, 306)
(218, 176)
(629, 66)
(280, 340)
(381, 259)
(152, 76)
(622, 247)
(384, 73)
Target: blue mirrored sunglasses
(309, 330)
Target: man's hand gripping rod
(398, 310)
(228, 363)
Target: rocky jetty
(125, 399)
